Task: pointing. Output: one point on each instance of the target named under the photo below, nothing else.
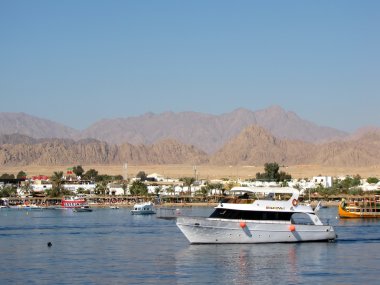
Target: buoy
(292, 228)
(243, 225)
(49, 244)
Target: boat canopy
(266, 190)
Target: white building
(325, 181)
(365, 186)
(81, 184)
(116, 189)
(38, 186)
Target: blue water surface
(110, 246)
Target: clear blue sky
(76, 62)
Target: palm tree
(101, 188)
(188, 182)
(124, 185)
(56, 180)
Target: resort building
(115, 189)
(325, 181)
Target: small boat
(28, 206)
(143, 209)
(253, 215)
(114, 207)
(34, 207)
(364, 207)
(85, 208)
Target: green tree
(188, 181)
(170, 189)
(21, 175)
(83, 191)
(56, 180)
(215, 186)
(271, 170)
(91, 174)
(204, 191)
(272, 173)
(78, 170)
(142, 175)
(124, 185)
(138, 188)
(104, 178)
(117, 178)
(372, 180)
(7, 176)
(101, 188)
(8, 191)
(157, 190)
(27, 188)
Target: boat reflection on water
(252, 264)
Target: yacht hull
(206, 230)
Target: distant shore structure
(125, 171)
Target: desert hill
(255, 146)
(91, 151)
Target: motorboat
(84, 208)
(31, 207)
(257, 215)
(145, 208)
(364, 207)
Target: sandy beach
(202, 171)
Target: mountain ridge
(252, 146)
(205, 131)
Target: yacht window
(251, 215)
(301, 219)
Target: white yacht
(145, 208)
(257, 215)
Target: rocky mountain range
(206, 132)
(256, 146)
(91, 151)
(253, 146)
(241, 137)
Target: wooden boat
(366, 207)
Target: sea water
(109, 246)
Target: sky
(76, 62)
